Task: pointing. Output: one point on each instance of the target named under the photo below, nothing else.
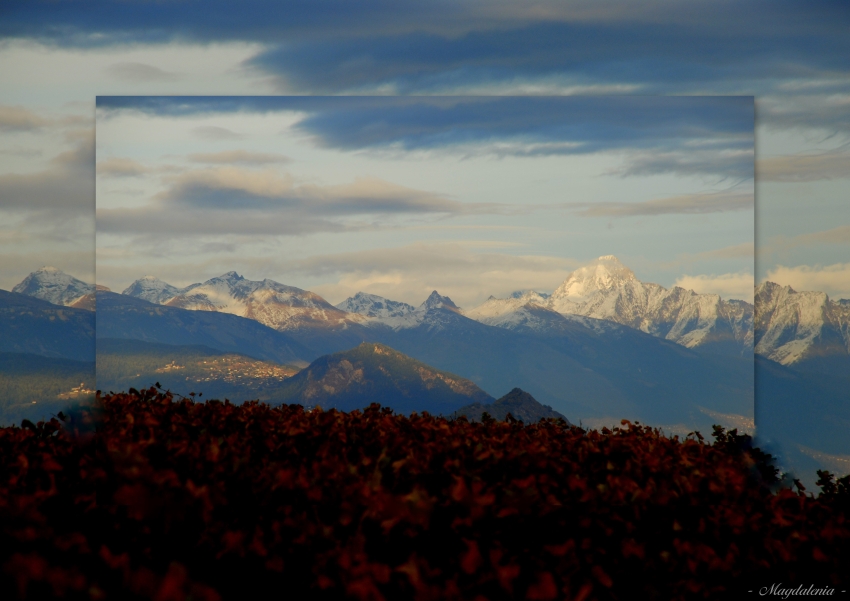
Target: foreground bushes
(149, 498)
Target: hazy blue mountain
(805, 415)
(375, 373)
(122, 316)
(585, 367)
(32, 325)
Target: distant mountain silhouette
(518, 403)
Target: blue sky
(55, 57)
(399, 196)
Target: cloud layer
(685, 204)
(832, 279)
(709, 136)
(65, 187)
(233, 200)
(727, 285)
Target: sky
(55, 58)
(399, 196)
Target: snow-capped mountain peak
(436, 301)
(271, 303)
(608, 290)
(54, 286)
(791, 326)
(604, 273)
(372, 305)
(527, 294)
(152, 289)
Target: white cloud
(121, 167)
(140, 72)
(411, 272)
(837, 235)
(684, 204)
(213, 132)
(832, 279)
(804, 167)
(727, 285)
(17, 118)
(238, 157)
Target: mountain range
(602, 345)
(607, 289)
(579, 366)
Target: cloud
(685, 204)
(804, 167)
(140, 72)
(239, 157)
(230, 200)
(693, 135)
(232, 188)
(727, 285)
(17, 118)
(838, 235)
(121, 167)
(832, 279)
(65, 187)
(468, 274)
(546, 126)
(436, 46)
(212, 132)
(736, 164)
(738, 251)
(735, 253)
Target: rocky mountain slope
(57, 287)
(377, 373)
(802, 329)
(607, 289)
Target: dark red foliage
(164, 500)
